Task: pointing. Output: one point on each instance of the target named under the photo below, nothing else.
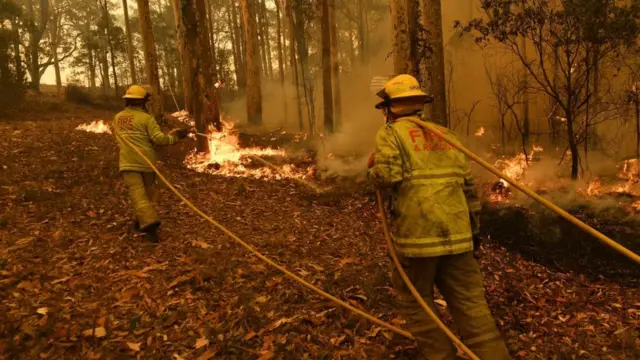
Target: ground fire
(97, 127)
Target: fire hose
(396, 261)
(548, 204)
(257, 253)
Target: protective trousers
(141, 195)
(459, 280)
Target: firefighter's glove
(371, 161)
(179, 133)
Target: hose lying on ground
(257, 253)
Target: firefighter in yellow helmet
(435, 216)
(140, 128)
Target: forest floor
(76, 283)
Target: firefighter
(140, 128)
(435, 217)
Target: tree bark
(335, 66)
(432, 21)
(294, 62)
(208, 69)
(92, 68)
(526, 122)
(54, 37)
(104, 67)
(401, 38)
(36, 31)
(127, 26)
(327, 87)
(281, 63)
(254, 86)
(113, 56)
(238, 38)
(16, 50)
(151, 58)
(185, 57)
(362, 34)
(267, 41)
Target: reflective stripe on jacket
(142, 130)
(436, 203)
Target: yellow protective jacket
(142, 130)
(436, 206)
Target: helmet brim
(416, 95)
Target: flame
(227, 158)
(515, 167)
(183, 116)
(98, 127)
(480, 132)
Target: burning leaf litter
(227, 158)
(98, 127)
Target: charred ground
(74, 282)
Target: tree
(37, 29)
(254, 86)
(151, 58)
(185, 56)
(402, 61)
(432, 20)
(335, 67)
(573, 28)
(110, 41)
(130, 57)
(281, 60)
(327, 91)
(294, 61)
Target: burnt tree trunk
(432, 20)
(130, 57)
(281, 62)
(111, 52)
(185, 57)
(294, 62)
(151, 58)
(267, 42)
(335, 67)
(362, 32)
(401, 38)
(254, 85)
(327, 90)
(238, 39)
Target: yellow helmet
(402, 87)
(136, 92)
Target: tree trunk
(239, 40)
(36, 30)
(294, 63)
(16, 51)
(327, 90)
(362, 34)
(151, 58)
(573, 146)
(254, 86)
(185, 57)
(335, 66)
(637, 109)
(104, 67)
(54, 37)
(92, 69)
(281, 63)
(127, 26)
(401, 39)
(113, 56)
(234, 48)
(208, 74)
(261, 36)
(265, 31)
(432, 20)
(303, 55)
(526, 134)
